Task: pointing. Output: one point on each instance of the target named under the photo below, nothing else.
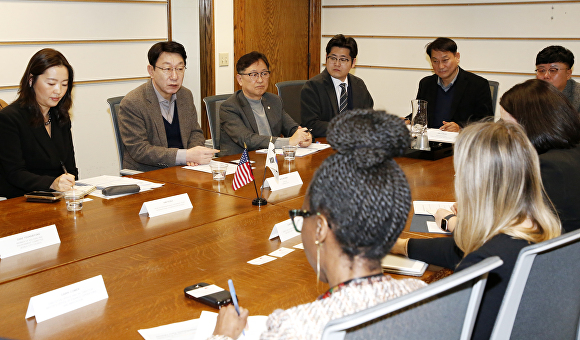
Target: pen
(63, 167)
(234, 298)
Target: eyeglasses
(552, 71)
(169, 70)
(254, 75)
(297, 216)
(336, 60)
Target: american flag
(243, 173)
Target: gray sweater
(572, 92)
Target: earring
(317, 261)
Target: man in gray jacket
(252, 116)
(158, 120)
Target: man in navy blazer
(252, 117)
(454, 96)
(334, 90)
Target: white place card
(281, 252)
(434, 228)
(299, 246)
(203, 291)
(430, 207)
(66, 299)
(28, 241)
(166, 205)
(285, 230)
(261, 260)
(285, 181)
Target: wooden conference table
(146, 262)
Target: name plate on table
(285, 181)
(28, 241)
(166, 205)
(66, 299)
(285, 230)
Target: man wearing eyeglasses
(252, 116)
(334, 90)
(554, 65)
(454, 96)
(158, 120)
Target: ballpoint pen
(63, 167)
(234, 298)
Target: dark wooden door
(285, 31)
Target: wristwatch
(445, 222)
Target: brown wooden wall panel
(206, 58)
(280, 30)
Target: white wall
(415, 26)
(224, 43)
(97, 23)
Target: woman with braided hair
(355, 208)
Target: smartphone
(210, 295)
(43, 196)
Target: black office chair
(289, 91)
(212, 108)
(114, 104)
(493, 87)
(445, 309)
(542, 300)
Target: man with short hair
(335, 90)
(252, 117)
(554, 65)
(158, 120)
(454, 97)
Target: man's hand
(450, 126)
(199, 155)
(63, 182)
(301, 137)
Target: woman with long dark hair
(35, 131)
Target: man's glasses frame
(169, 70)
(254, 75)
(552, 71)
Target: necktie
(343, 98)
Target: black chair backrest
(212, 108)
(289, 91)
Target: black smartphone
(43, 196)
(208, 295)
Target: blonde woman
(501, 208)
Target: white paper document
(166, 205)
(66, 299)
(101, 182)
(285, 181)
(401, 265)
(436, 135)
(285, 230)
(432, 227)
(430, 207)
(184, 330)
(281, 252)
(28, 241)
(299, 246)
(207, 321)
(206, 168)
(261, 260)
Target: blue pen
(234, 298)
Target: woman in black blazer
(35, 130)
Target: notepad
(403, 266)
